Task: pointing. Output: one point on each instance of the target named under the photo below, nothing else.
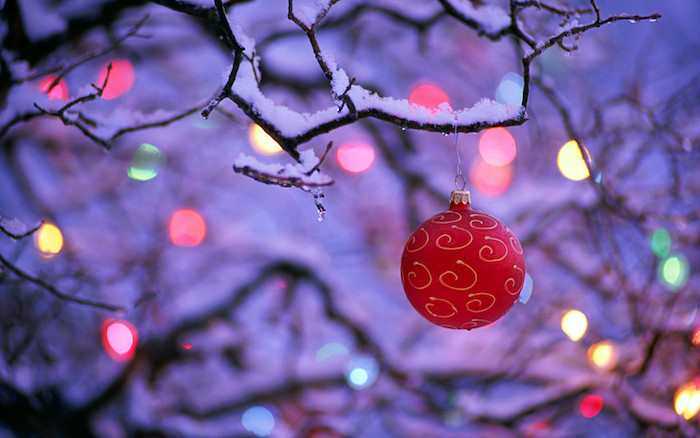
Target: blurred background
(211, 305)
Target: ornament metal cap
(458, 197)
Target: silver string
(460, 181)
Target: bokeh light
(261, 141)
(695, 338)
(258, 420)
(488, 179)
(603, 354)
(119, 339)
(571, 163)
(574, 324)
(187, 228)
(591, 405)
(121, 78)
(661, 242)
(687, 399)
(59, 92)
(147, 160)
(497, 146)
(361, 371)
(428, 96)
(510, 89)
(355, 157)
(526, 292)
(331, 350)
(673, 272)
(48, 240)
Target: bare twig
(64, 70)
(54, 291)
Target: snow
(287, 121)
(13, 226)
(291, 171)
(340, 81)
(309, 12)
(291, 123)
(492, 18)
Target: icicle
(318, 195)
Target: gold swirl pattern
(430, 305)
(477, 305)
(492, 251)
(474, 323)
(456, 277)
(449, 240)
(481, 222)
(415, 274)
(442, 218)
(516, 245)
(513, 282)
(412, 241)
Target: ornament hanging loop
(460, 182)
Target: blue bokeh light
(361, 371)
(258, 420)
(527, 290)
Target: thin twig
(55, 292)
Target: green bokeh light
(661, 242)
(673, 271)
(147, 160)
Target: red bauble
(462, 268)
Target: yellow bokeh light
(696, 337)
(574, 324)
(49, 240)
(262, 142)
(603, 354)
(687, 400)
(571, 163)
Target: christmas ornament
(462, 268)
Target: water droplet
(321, 216)
(634, 20)
(403, 128)
(568, 54)
(653, 20)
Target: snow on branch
(16, 229)
(304, 175)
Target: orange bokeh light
(428, 96)
(59, 92)
(497, 146)
(355, 157)
(591, 405)
(121, 78)
(187, 228)
(490, 180)
(119, 339)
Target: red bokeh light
(355, 157)
(428, 96)
(59, 92)
(490, 180)
(121, 78)
(187, 346)
(119, 339)
(187, 228)
(497, 146)
(591, 405)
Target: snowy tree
(203, 206)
